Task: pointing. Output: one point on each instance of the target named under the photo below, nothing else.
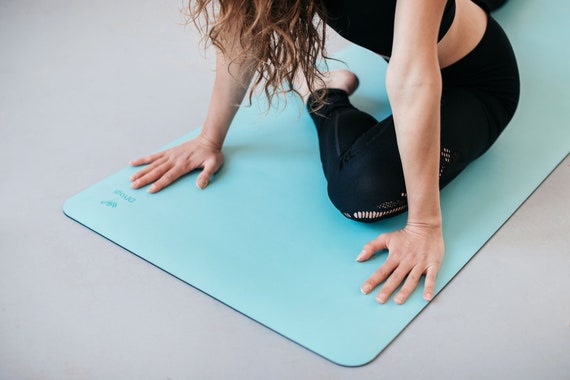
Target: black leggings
(360, 155)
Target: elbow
(408, 82)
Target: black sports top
(370, 23)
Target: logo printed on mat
(112, 204)
(122, 195)
(125, 196)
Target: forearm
(230, 86)
(414, 87)
(415, 99)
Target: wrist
(426, 216)
(425, 224)
(211, 140)
(428, 220)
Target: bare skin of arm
(204, 151)
(414, 87)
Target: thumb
(373, 246)
(210, 167)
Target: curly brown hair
(282, 40)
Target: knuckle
(380, 273)
(396, 279)
(374, 279)
(168, 177)
(413, 277)
(401, 297)
(181, 161)
(186, 166)
(398, 276)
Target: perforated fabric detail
(383, 210)
(446, 157)
(392, 207)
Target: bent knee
(368, 200)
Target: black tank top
(370, 23)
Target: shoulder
(416, 24)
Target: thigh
(367, 181)
(467, 130)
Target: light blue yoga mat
(264, 239)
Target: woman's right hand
(167, 166)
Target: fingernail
(151, 189)
(366, 288)
(428, 296)
(202, 183)
(380, 299)
(360, 256)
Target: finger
(171, 175)
(392, 283)
(378, 276)
(150, 173)
(136, 178)
(154, 175)
(429, 286)
(409, 285)
(373, 246)
(210, 167)
(146, 160)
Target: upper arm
(414, 49)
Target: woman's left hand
(412, 252)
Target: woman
(452, 83)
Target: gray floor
(86, 86)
